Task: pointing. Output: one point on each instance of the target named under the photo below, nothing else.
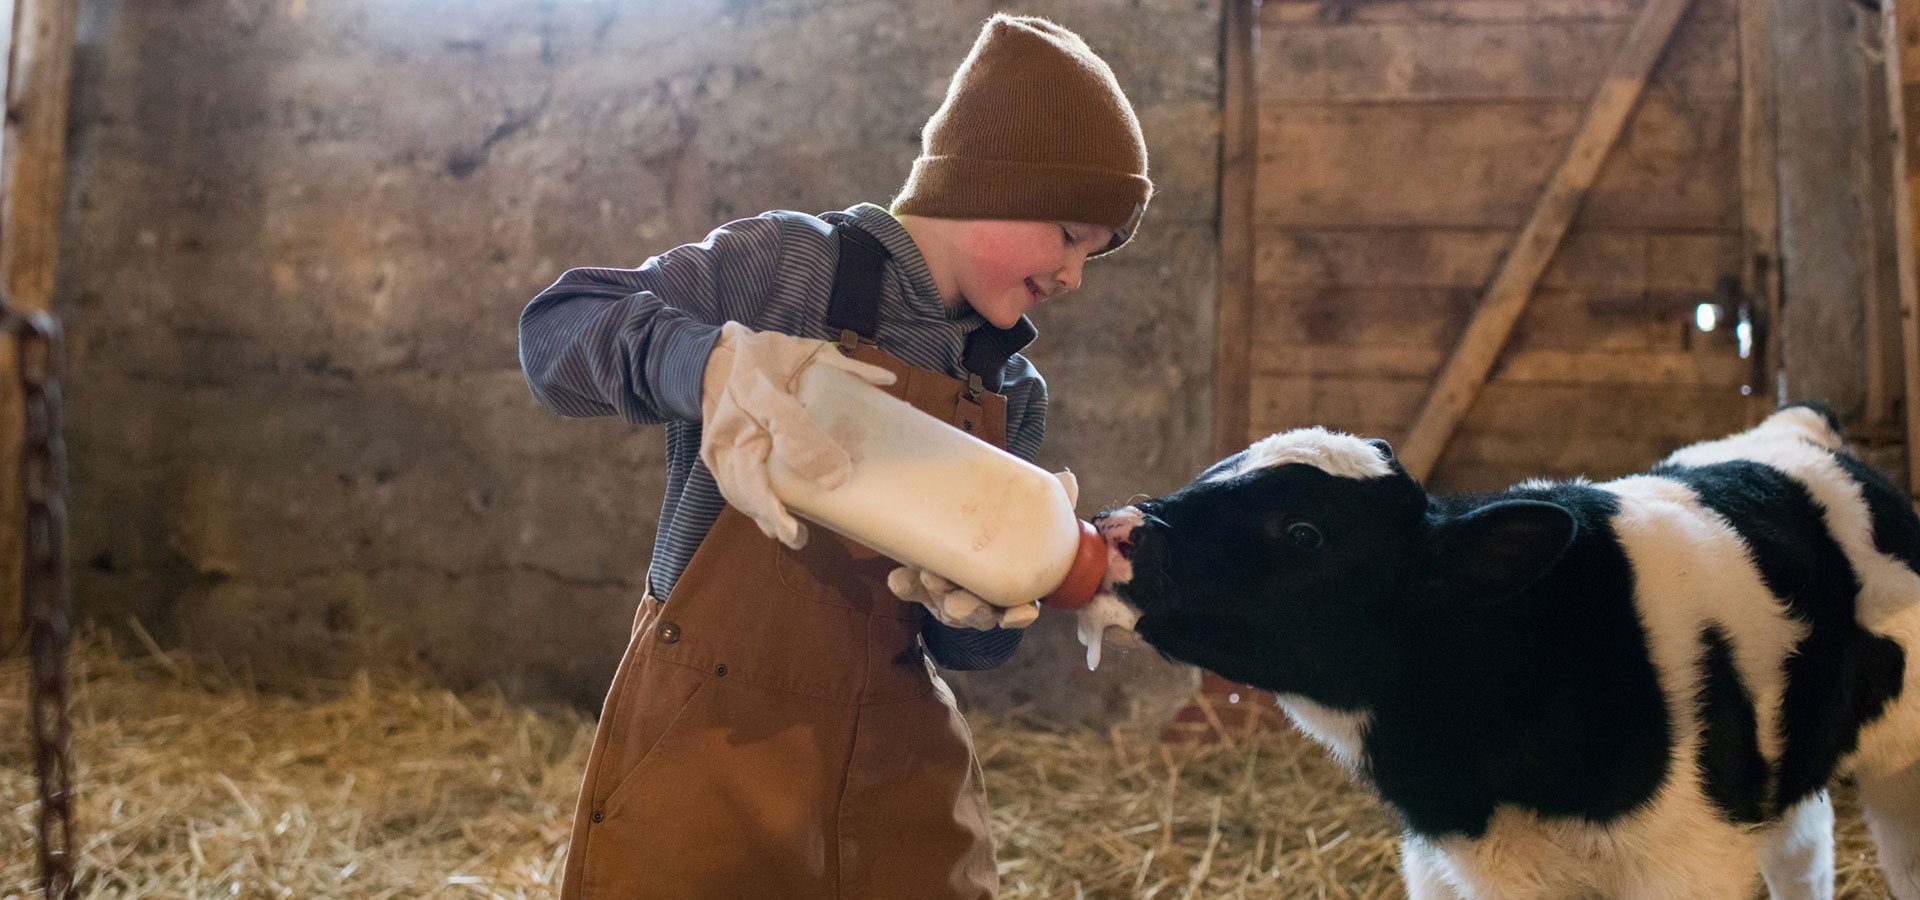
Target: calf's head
(1301, 564)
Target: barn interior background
(289, 240)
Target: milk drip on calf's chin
(1103, 612)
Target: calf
(1640, 688)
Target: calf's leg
(1891, 805)
(1797, 858)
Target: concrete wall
(301, 231)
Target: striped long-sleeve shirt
(634, 343)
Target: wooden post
(1512, 287)
(1822, 148)
(1880, 193)
(1760, 202)
(32, 194)
(1902, 45)
(1221, 703)
(1238, 138)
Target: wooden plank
(1466, 370)
(1424, 61)
(1436, 317)
(1550, 366)
(32, 193)
(1386, 407)
(1477, 462)
(1589, 259)
(1297, 13)
(1370, 406)
(1237, 170)
(1480, 164)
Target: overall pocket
(650, 703)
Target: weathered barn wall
(1403, 144)
(301, 231)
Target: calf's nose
(1116, 527)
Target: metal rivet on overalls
(598, 815)
(669, 632)
(720, 670)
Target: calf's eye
(1305, 536)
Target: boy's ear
(1501, 549)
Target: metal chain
(48, 608)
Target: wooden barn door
(1390, 163)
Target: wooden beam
(1874, 184)
(1237, 162)
(1824, 131)
(1902, 47)
(33, 162)
(1506, 298)
(1760, 199)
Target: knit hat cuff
(959, 187)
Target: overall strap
(854, 306)
(855, 303)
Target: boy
(774, 729)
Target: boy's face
(1005, 268)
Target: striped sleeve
(1026, 389)
(634, 342)
(969, 649)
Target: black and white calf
(1640, 688)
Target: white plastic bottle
(926, 493)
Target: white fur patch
(1424, 869)
(1115, 527)
(1332, 452)
(1673, 848)
(1342, 732)
(1691, 569)
(1798, 442)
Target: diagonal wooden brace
(1466, 370)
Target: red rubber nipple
(1083, 579)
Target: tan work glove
(750, 417)
(958, 607)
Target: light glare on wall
(1706, 316)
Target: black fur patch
(1730, 760)
(1547, 701)
(1838, 676)
(1896, 532)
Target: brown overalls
(776, 731)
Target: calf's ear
(1500, 549)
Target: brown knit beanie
(1034, 126)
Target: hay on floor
(192, 786)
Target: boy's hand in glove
(750, 418)
(958, 607)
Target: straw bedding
(193, 786)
